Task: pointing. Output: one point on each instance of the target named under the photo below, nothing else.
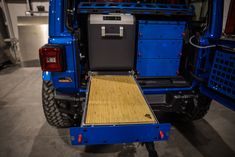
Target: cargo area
(125, 42)
(116, 100)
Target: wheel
(53, 115)
(195, 109)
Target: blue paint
(159, 48)
(161, 30)
(46, 76)
(222, 76)
(226, 42)
(157, 90)
(166, 90)
(216, 22)
(134, 8)
(229, 103)
(56, 19)
(58, 34)
(71, 71)
(157, 67)
(119, 134)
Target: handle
(104, 34)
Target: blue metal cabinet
(161, 30)
(159, 49)
(157, 67)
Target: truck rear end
(109, 65)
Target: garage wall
(19, 9)
(226, 9)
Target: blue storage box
(159, 48)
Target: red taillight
(52, 58)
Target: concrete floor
(25, 133)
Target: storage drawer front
(159, 49)
(161, 30)
(157, 67)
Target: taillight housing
(52, 58)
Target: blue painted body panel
(216, 21)
(57, 26)
(71, 71)
(119, 134)
(46, 76)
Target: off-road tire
(195, 109)
(53, 115)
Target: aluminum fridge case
(111, 40)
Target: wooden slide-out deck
(116, 100)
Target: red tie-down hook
(161, 135)
(79, 138)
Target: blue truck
(173, 55)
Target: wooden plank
(116, 100)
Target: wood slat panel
(116, 100)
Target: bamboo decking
(116, 100)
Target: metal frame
(205, 88)
(87, 98)
(229, 103)
(86, 103)
(135, 8)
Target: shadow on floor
(201, 135)
(120, 150)
(2, 104)
(56, 143)
(9, 68)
